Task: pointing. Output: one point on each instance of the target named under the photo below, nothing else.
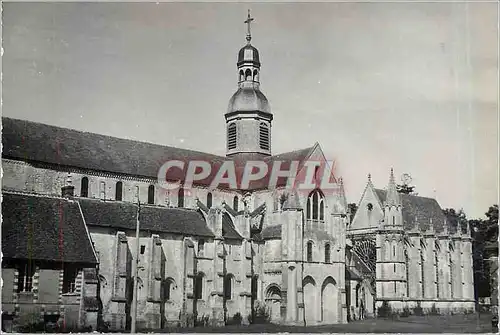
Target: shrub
(417, 310)
(434, 310)
(235, 320)
(261, 313)
(385, 310)
(203, 321)
(406, 312)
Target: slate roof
(271, 232)
(44, 228)
(421, 208)
(22, 140)
(228, 230)
(123, 215)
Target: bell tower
(248, 118)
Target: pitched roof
(44, 228)
(123, 215)
(228, 229)
(41, 143)
(420, 208)
(271, 232)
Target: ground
(413, 324)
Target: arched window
(235, 203)
(393, 220)
(168, 288)
(309, 251)
(264, 136)
(84, 188)
(119, 191)
(209, 200)
(198, 286)
(201, 246)
(231, 136)
(321, 210)
(327, 253)
(242, 76)
(228, 281)
(315, 206)
(255, 75)
(248, 75)
(180, 198)
(394, 250)
(151, 194)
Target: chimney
(68, 191)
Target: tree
(485, 236)
(406, 189)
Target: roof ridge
(113, 137)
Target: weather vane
(406, 179)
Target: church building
(72, 201)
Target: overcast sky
(406, 85)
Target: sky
(412, 86)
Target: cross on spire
(248, 21)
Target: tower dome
(248, 99)
(248, 54)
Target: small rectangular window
(143, 249)
(70, 274)
(25, 277)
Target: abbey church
(72, 201)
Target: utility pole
(135, 269)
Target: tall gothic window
(422, 267)
(235, 203)
(407, 262)
(309, 251)
(209, 200)
(231, 136)
(327, 253)
(180, 198)
(264, 136)
(198, 286)
(84, 188)
(151, 194)
(119, 191)
(228, 281)
(315, 206)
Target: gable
(366, 219)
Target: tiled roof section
(122, 215)
(271, 232)
(352, 274)
(44, 228)
(422, 208)
(23, 140)
(41, 143)
(228, 230)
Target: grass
(412, 324)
